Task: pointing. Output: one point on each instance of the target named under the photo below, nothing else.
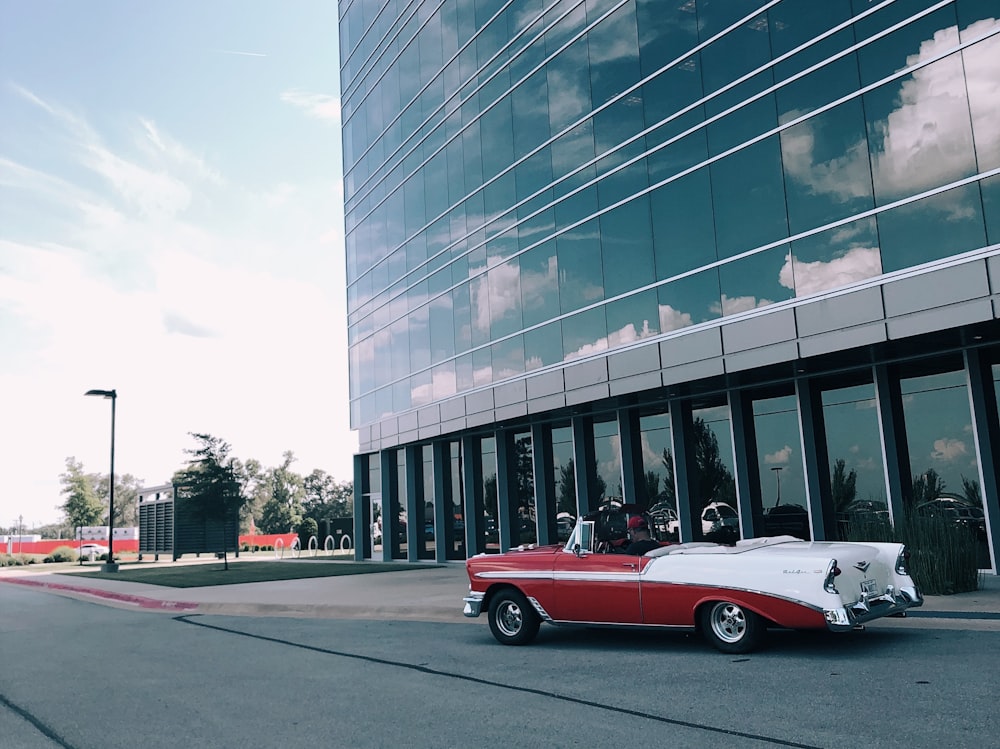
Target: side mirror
(576, 550)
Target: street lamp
(110, 566)
(777, 475)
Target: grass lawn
(214, 573)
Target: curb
(141, 601)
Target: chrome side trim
(540, 609)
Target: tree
(253, 485)
(926, 487)
(82, 505)
(843, 485)
(308, 528)
(652, 486)
(567, 488)
(713, 481)
(970, 490)
(126, 497)
(325, 498)
(284, 489)
(213, 494)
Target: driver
(638, 535)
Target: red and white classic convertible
(731, 594)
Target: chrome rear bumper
(867, 608)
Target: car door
(596, 587)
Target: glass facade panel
(633, 318)
(683, 230)
(836, 257)
(716, 517)
(932, 228)
(584, 333)
(690, 300)
(608, 463)
(564, 472)
(627, 241)
(756, 281)
(919, 130)
(779, 465)
(822, 185)
(982, 77)
(456, 533)
(658, 492)
(943, 465)
(523, 495)
(748, 198)
(857, 471)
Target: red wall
(47, 546)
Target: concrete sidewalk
(420, 594)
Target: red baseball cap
(637, 521)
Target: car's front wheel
(512, 619)
(732, 628)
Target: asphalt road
(80, 675)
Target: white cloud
(735, 305)
(926, 140)
(673, 319)
(947, 449)
(856, 264)
(320, 106)
(780, 457)
(229, 322)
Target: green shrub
(61, 554)
(943, 556)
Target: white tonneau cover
(705, 547)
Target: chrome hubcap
(510, 618)
(729, 622)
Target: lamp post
(110, 566)
(777, 475)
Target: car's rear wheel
(732, 628)
(512, 619)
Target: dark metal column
(688, 506)
(633, 476)
(545, 483)
(895, 453)
(507, 520)
(987, 431)
(585, 465)
(362, 510)
(822, 513)
(444, 523)
(414, 502)
(472, 480)
(748, 497)
(390, 501)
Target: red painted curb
(140, 601)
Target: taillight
(903, 562)
(829, 584)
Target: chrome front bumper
(866, 608)
(473, 604)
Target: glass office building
(687, 254)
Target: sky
(171, 227)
